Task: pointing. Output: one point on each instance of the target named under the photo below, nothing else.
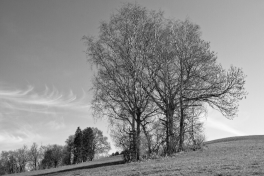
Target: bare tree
(120, 131)
(202, 79)
(9, 162)
(100, 143)
(119, 54)
(147, 65)
(161, 81)
(34, 156)
(184, 73)
(22, 158)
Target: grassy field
(229, 156)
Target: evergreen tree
(88, 140)
(77, 146)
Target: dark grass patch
(108, 161)
(83, 167)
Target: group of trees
(86, 144)
(155, 77)
(18, 160)
(81, 147)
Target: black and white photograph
(131, 87)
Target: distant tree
(77, 146)
(66, 156)
(68, 151)
(57, 154)
(9, 162)
(120, 134)
(52, 156)
(34, 156)
(100, 143)
(88, 144)
(2, 166)
(4, 162)
(47, 162)
(22, 158)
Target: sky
(46, 81)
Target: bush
(198, 143)
(154, 156)
(127, 156)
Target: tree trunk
(170, 144)
(167, 136)
(181, 127)
(133, 153)
(138, 137)
(181, 109)
(148, 139)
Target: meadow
(229, 156)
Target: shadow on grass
(83, 167)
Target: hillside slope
(229, 156)
(236, 138)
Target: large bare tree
(119, 53)
(148, 65)
(201, 78)
(184, 73)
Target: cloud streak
(31, 101)
(221, 126)
(17, 136)
(29, 115)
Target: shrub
(127, 156)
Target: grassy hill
(229, 156)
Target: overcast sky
(45, 77)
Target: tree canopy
(152, 69)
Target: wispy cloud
(57, 124)
(17, 136)
(31, 101)
(29, 115)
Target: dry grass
(229, 156)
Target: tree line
(155, 78)
(79, 147)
